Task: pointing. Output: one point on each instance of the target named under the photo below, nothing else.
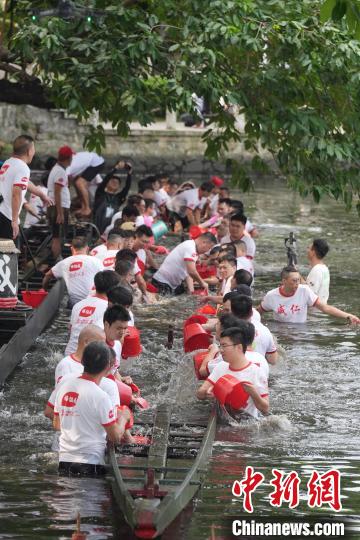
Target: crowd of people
(215, 253)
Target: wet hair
(229, 296)
(240, 243)
(49, 164)
(116, 313)
(114, 236)
(79, 242)
(243, 277)
(238, 336)
(241, 306)
(214, 250)
(120, 295)
(228, 320)
(209, 237)
(207, 186)
(149, 203)
(228, 258)
(242, 289)
(239, 216)
(228, 248)
(287, 270)
(225, 200)
(129, 211)
(224, 188)
(96, 357)
(126, 254)
(143, 230)
(105, 280)
(123, 267)
(22, 144)
(321, 247)
(128, 234)
(238, 205)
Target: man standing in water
(319, 276)
(290, 301)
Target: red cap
(217, 181)
(65, 152)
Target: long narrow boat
(152, 484)
(12, 352)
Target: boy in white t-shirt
(78, 271)
(290, 302)
(85, 416)
(318, 278)
(233, 344)
(186, 205)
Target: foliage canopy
(291, 67)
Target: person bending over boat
(85, 416)
(78, 271)
(290, 302)
(233, 345)
(180, 264)
(91, 310)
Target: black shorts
(5, 227)
(165, 289)
(90, 172)
(174, 217)
(58, 231)
(68, 468)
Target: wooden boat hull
(12, 353)
(149, 509)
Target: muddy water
(314, 398)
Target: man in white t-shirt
(242, 261)
(83, 169)
(91, 310)
(233, 345)
(290, 302)
(237, 231)
(85, 416)
(318, 278)
(107, 256)
(186, 205)
(78, 271)
(143, 236)
(58, 191)
(14, 183)
(181, 263)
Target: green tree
(294, 77)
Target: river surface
(315, 403)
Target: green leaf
(326, 10)
(339, 10)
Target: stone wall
(175, 151)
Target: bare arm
(48, 276)
(141, 283)
(116, 431)
(15, 209)
(36, 190)
(272, 357)
(335, 312)
(59, 210)
(191, 269)
(56, 422)
(191, 217)
(212, 352)
(150, 260)
(205, 391)
(261, 403)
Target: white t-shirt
(58, 175)
(117, 348)
(88, 311)
(249, 226)
(319, 281)
(108, 385)
(256, 317)
(99, 251)
(225, 286)
(243, 263)
(107, 258)
(40, 207)
(161, 197)
(84, 410)
(14, 172)
(187, 199)
(291, 309)
(250, 374)
(264, 342)
(250, 244)
(173, 269)
(83, 160)
(78, 272)
(262, 363)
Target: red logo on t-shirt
(69, 399)
(75, 266)
(109, 261)
(87, 311)
(4, 168)
(111, 414)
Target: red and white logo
(75, 266)
(87, 311)
(111, 414)
(69, 399)
(109, 261)
(3, 169)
